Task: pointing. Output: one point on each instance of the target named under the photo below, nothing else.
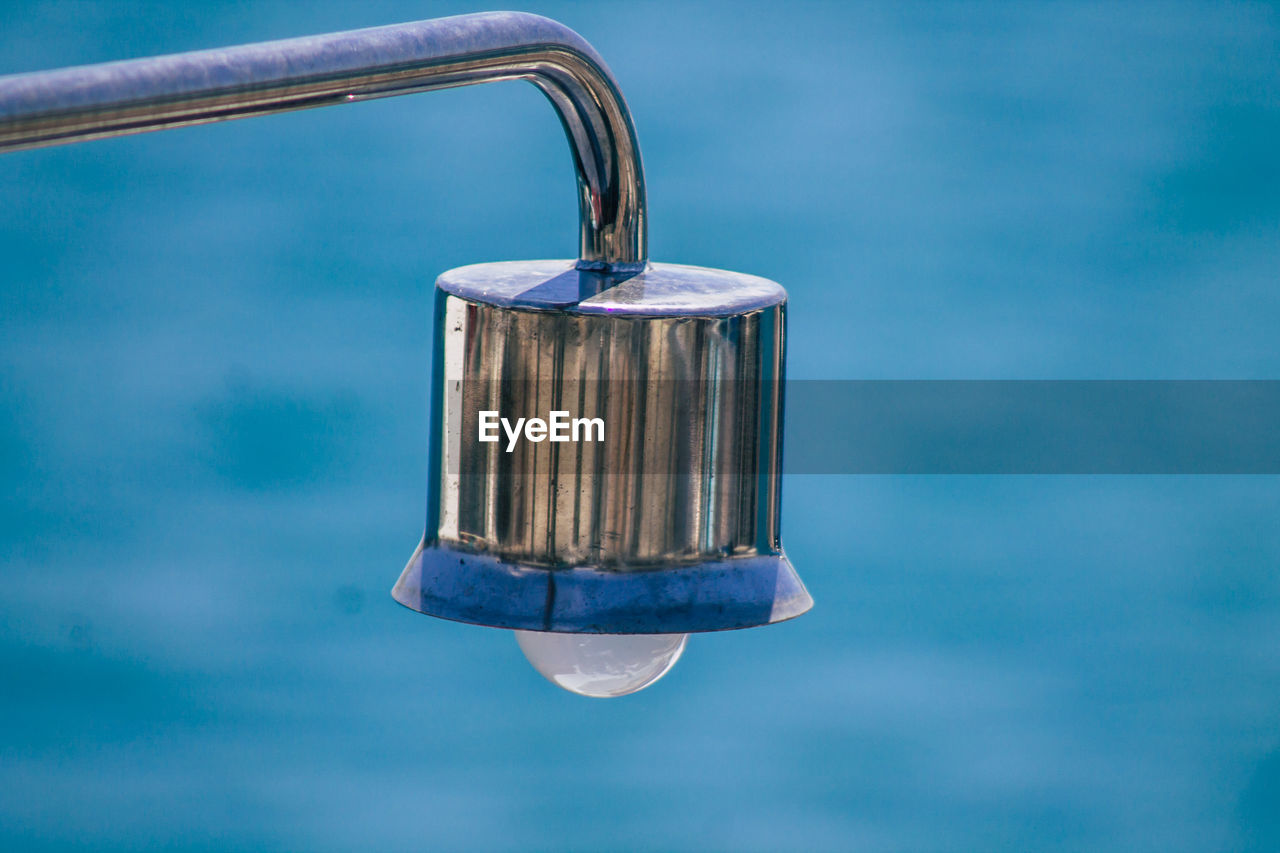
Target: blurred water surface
(213, 370)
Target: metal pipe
(118, 98)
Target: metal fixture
(668, 523)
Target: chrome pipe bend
(118, 98)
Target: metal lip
(658, 290)
(719, 595)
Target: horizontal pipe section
(118, 98)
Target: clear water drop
(601, 665)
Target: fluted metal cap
(647, 500)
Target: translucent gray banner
(613, 427)
(1033, 427)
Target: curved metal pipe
(117, 98)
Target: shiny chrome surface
(668, 525)
(714, 595)
(671, 523)
(659, 290)
(117, 98)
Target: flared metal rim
(719, 595)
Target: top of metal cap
(659, 290)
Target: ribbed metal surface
(668, 524)
(688, 468)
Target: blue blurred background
(213, 372)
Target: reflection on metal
(668, 525)
(116, 98)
